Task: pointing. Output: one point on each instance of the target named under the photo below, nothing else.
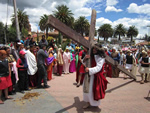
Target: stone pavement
(45, 103)
(122, 96)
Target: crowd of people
(25, 64)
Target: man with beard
(97, 82)
(43, 41)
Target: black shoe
(40, 86)
(46, 86)
(22, 92)
(27, 89)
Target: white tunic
(31, 61)
(88, 97)
(66, 58)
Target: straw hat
(144, 52)
(129, 51)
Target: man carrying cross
(98, 82)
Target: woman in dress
(66, 58)
(72, 67)
(59, 62)
(5, 73)
(50, 64)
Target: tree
(2, 28)
(23, 20)
(120, 30)
(132, 32)
(65, 15)
(43, 25)
(82, 26)
(12, 34)
(105, 31)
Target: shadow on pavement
(110, 90)
(147, 98)
(78, 105)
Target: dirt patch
(30, 95)
(27, 97)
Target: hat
(3, 52)
(114, 48)
(77, 48)
(128, 51)
(144, 52)
(22, 52)
(19, 43)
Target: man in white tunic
(98, 82)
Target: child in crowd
(22, 72)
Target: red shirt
(19, 65)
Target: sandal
(8, 97)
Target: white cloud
(127, 22)
(112, 8)
(101, 21)
(82, 12)
(142, 9)
(111, 2)
(3, 13)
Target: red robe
(99, 84)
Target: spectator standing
(41, 55)
(66, 58)
(59, 62)
(27, 42)
(43, 41)
(5, 73)
(22, 72)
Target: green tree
(23, 20)
(11, 33)
(105, 31)
(42, 24)
(2, 28)
(65, 15)
(119, 30)
(132, 32)
(82, 26)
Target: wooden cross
(52, 21)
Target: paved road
(122, 96)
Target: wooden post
(88, 64)
(92, 33)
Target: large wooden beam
(92, 33)
(64, 29)
(52, 21)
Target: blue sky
(114, 12)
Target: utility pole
(148, 30)
(16, 18)
(5, 34)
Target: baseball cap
(22, 52)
